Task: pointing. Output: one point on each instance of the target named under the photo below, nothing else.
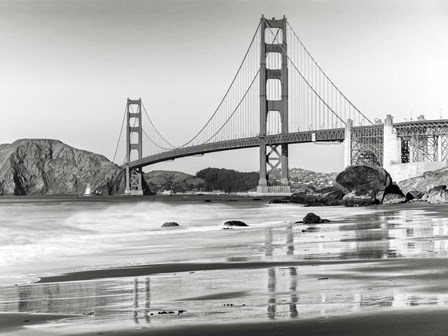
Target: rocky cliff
(40, 166)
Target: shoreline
(153, 269)
(362, 292)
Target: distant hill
(161, 180)
(300, 178)
(228, 180)
(42, 166)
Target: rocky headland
(50, 167)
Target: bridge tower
(133, 127)
(271, 156)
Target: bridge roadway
(402, 129)
(336, 134)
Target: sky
(68, 66)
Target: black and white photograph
(224, 167)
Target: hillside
(42, 166)
(161, 180)
(300, 178)
(228, 180)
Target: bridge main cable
(324, 73)
(226, 94)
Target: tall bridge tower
(133, 127)
(273, 156)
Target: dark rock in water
(333, 197)
(312, 218)
(233, 223)
(207, 201)
(394, 199)
(414, 195)
(352, 200)
(283, 200)
(256, 199)
(366, 181)
(170, 224)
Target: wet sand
(381, 274)
(400, 323)
(14, 321)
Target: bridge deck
(336, 134)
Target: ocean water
(42, 236)
(364, 260)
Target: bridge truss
(423, 140)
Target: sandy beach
(371, 271)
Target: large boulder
(332, 197)
(364, 180)
(363, 185)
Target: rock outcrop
(318, 198)
(436, 195)
(429, 187)
(426, 181)
(363, 185)
(41, 166)
(364, 180)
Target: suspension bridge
(280, 96)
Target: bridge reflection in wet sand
(368, 277)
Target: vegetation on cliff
(162, 180)
(227, 180)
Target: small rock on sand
(170, 224)
(312, 218)
(232, 223)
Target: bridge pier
(391, 144)
(271, 156)
(133, 127)
(348, 143)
